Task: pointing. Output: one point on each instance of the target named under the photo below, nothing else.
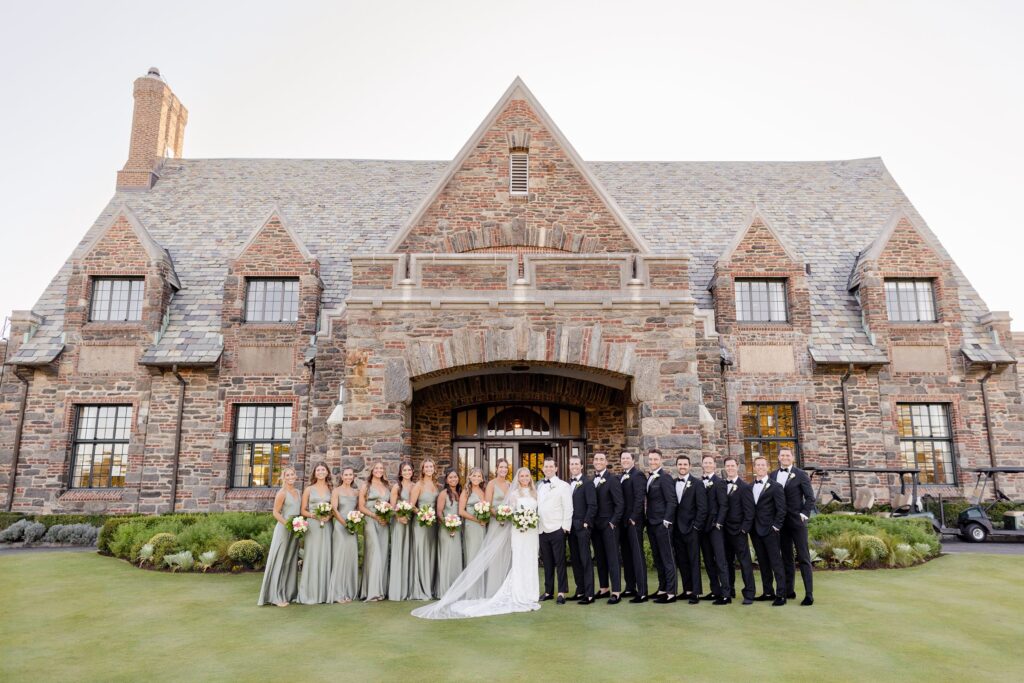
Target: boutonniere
(576, 485)
(598, 482)
(730, 488)
(655, 476)
(767, 483)
(709, 483)
(687, 485)
(625, 477)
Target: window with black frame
(117, 299)
(768, 428)
(100, 446)
(761, 301)
(272, 300)
(926, 441)
(262, 444)
(911, 301)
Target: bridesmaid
(345, 557)
(424, 538)
(449, 546)
(400, 572)
(375, 541)
(315, 582)
(473, 529)
(280, 578)
(497, 492)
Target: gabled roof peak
(756, 216)
(153, 248)
(275, 212)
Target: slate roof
(203, 210)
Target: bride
(519, 590)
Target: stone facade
(424, 288)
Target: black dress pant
(794, 536)
(712, 547)
(769, 560)
(552, 555)
(582, 563)
(606, 554)
(634, 565)
(737, 548)
(687, 552)
(660, 538)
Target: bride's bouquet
(426, 516)
(299, 526)
(525, 519)
(383, 509)
(503, 514)
(354, 521)
(452, 524)
(482, 511)
(403, 510)
(322, 511)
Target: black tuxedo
(799, 500)
(631, 533)
(610, 508)
(769, 513)
(712, 540)
(661, 514)
(691, 513)
(739, 520)
(584, 509)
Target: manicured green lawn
(78, 616)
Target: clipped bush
(871, 548)
(246, 552)
(34, 532)
(15, 532)
(163, 543)
(107, 532)
(9, 518)
(72, 534)
(180, 561)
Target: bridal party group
(420, 532)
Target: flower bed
(867, 542)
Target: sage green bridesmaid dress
(345, 555)
(375, 550)
(281, 577)
(449, 550)
(400, 571)
(472, 538)
(494, 579)
(315, 581)
(424, 553)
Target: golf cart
(904, 504)
(974, 524)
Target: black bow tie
(785, 469)
(600, 474)
(546, 481)
(732, 481)
(759, 481)
(707, 478)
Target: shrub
(204, 535)
(841, 556)
(163, 543)
(9, 518)
(866, 541)
(145, 554)
(72, 534)
(34, 532)
(107, 532)
(208, 559)
(182, 561)
(66, 519)
(14, 532)
(246, 552)
(871, 549)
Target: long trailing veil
(491, 558)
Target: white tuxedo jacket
(554, 505)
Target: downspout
(988, 417)
(309, 400)
(177, 437)
(723, 364)
(16, 454)
(846, 426)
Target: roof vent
(154, 73)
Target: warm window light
(517, 424)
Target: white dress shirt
(680, 487)
(782, 477)
(651, 477)
(758, 487)
(554, 505)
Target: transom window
(761, 301)
(117, 299)
(100, 446)
(767, 428)
(910, 300)
(926, 441)
(272, 301)
(519, 173)
(263, 436)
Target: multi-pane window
(263, 436)
(926, 441)
(117, 299)
(767, 428)
(910, 300)
(100, 446)
(519, 173)
(272, 301)
(761, 300)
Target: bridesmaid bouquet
(403, 510)
(452, 524)
(525, 519)
(426, 516)
(383, 509)
(482, 511)
(503, 514)
(354, 521)
(299, 526)
(322, 512)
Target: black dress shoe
(709, 596)
(748, 601)
(694, 600)
(544, 596)
(603, 595)
(639, 598)
(778, 602)
(722, 601)
(615, 599)
(807, 601)
(665, 599)
(586, 601)
(764, 597)
(627, 594)
(560, 600)
(578, 596)
(791, 596)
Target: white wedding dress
(519, 590)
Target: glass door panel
(466, 458)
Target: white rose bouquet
(482, 511)
(426, 516)
(525, 519)
(354, 521)
(322, 511)
(403, 510)
(383, 509)
(452, 524)
(503, 514)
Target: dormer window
(117, 299)
(272, 300)
(910, 301)
(761, 301)
(519, 173)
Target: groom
(554, 507)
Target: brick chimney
(158, 131)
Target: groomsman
(584, 508)
(739, 521)
(554, 507)
(799, 505)
(605, 537)
(661, 514)
(631, 533)
(769, 514)
(691, 511)
(712, 540)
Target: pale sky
(933, 87)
